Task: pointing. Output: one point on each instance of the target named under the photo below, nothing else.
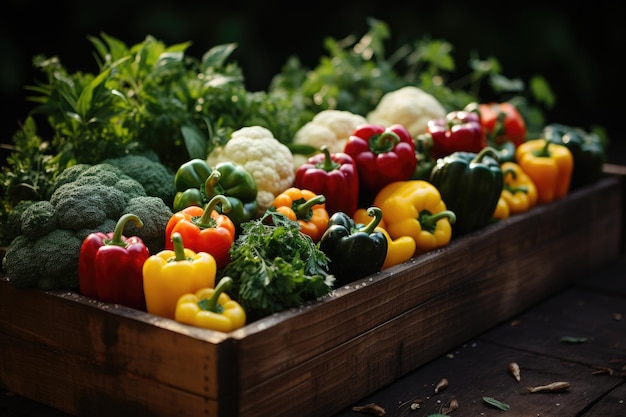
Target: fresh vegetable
(171, 273)
(275, 267)
(382, 155)
(423, 154)
(269, 161)
(588, 151)
(85, 199)
(305, 207)
(458, 131)
(502, 122)
(211, 308)
(333, 175)
(470, 184)
(110, 266)
(330, 128)
(519, 191)
(414, 208)
(155, 178)
(398, 250)
(502, 210)
(204, 229)
(354, 251)
(196, 183)
(409, 106)
(549, 165)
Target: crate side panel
(85, 388)
(311, 330)
(122, 341)
(331, 381)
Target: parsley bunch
(275, 267)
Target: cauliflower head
(268, 160)
(409, 106)
(329, 127)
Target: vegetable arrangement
(248, 204)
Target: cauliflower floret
(268, 160)
(409, 106)
(329, 127)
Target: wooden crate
(92, 359)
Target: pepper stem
(179, 248)
(377, 215)
(543, 152)
(119, 229)
(211, 303)
(487, 151)
(205, 221)
(428, 221)
(303, 210)
(328, 164)
(211, 184)
(384, 142)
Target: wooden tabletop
(576, 337)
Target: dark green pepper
(354, 250)
(196, 183)
(588, 151)
(506, 151)
(470, 184)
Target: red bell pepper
(382, 156)
(110, 266)
(204, 229)
(334, 176)
(501, 122)
(459, 131)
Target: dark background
(576, 48)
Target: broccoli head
(38, 219)
(67, 175)
(156, 178)
(11, 225)
(154, 215)
(55, 266)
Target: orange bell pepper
(549, 165)
(305, 207)
(204, 230)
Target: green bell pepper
(470, 184)
(588, 151)
(354, 250)
(425, 160)
(196, 183)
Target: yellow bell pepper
(414, 208)
(502, 210)
(550, 165)
(211, 308)
(170, 274)
(519, 191)
(398, 250)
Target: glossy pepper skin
(423, 154)
(549, 165)
(398, 250)
(382, 155)
(414, 208)
(211, 308)
(110, 266)
(204, 229)
(354, 251)
(170, 274)
(470, 184)
(502, 122)
(305, 207)
(519, 191)
(459, 131)
(332, 175)
(196, 183)
(587, 148)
